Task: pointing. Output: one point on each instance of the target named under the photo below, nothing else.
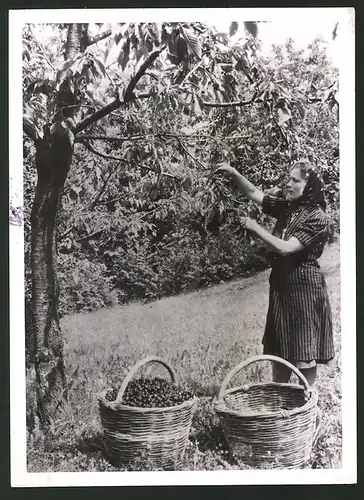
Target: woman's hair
(313, 193)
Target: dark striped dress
(299, 322)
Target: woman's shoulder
(316, 215)
(316, 211)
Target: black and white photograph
(182, 246)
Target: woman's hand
(248, 223)
(248, 189)
(225, 168)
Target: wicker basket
(158, 435)
(269, 425)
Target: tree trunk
(53, 160)
(77, 40)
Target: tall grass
(203, 335)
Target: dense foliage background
(143, 217)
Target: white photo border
(348, 472)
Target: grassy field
(203, 335)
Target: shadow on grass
(90, 444)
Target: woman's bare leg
(281, 373)
(309, 374)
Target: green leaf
(187, 130)
(28, 122)
(59, 128)
(182, 49)
(156, 32)
(192, 40)
(100, 66)
(234, 26)
(143, 48)
(153, 193)
(71, 137)
(251, 27)
(327, 94)
(68, 64)
(217, 96)
(108, 48)
(87, 73)
(201, 125)
(222, 36)
(74, 192)
(334, 32)
(300, 109)
(119, 28)
(105, 27)
(283, 115)
(197, 107)
(26, 54)
(117, 38)
(187, 182)
(124, 55)
(95, 72)
(29, 111)
(98, 172)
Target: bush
(84, 286)
(334, 223)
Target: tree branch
(66, 233)
(91, 235)
(138, 215)
(98, 153)
(82, 138)
(155, 209)
(195, 68)
(99, 37)
(230, 104)
(218, 140)
(233, 137)
(29, 131)
(165, 174)
(89, 206)
(92, 205)
(191, 155)
(106, 110)
(143, 96)
(281, 131)
(143, 68)
(228, 195)
(111, 157)
(112, 200)
(128, 95)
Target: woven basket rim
(266, 384)
(114, 405)
(220, 406)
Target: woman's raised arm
(247, 188)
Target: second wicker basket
(268, 424)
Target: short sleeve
(274, 206)
(312, 230)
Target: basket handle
(248, 362)
(136, 367)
